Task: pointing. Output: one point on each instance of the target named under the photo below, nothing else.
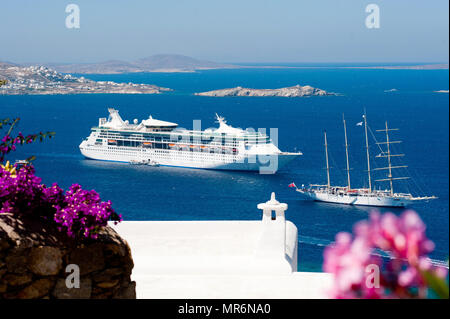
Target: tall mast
(389, 158)
(367, 151)
(326, 156)
(346, 153)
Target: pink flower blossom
(79, 212)
(401, 274)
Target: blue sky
(225, 31)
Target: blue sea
(164, 193)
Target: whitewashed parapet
(228, 247)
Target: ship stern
(270, 164)
(285, 158)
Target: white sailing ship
(363, 196)
(164, 143)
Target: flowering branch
(77, 212)
(8, 142)
(387, 257)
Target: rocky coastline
(293, 91)
(41, 80)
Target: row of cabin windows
(211, 151)
(213, 142)
(121, 143)
(112, 150)
(134, 142)
(191, 139)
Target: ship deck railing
(359, 191)
(246, 135)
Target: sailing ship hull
(356, 199)
(363, 197)
(262, 163)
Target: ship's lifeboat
(112, 141)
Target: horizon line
(268, 63)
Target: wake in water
(307, 240)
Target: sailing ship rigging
(364, 196)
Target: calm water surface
(162, 193)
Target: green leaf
(12, 125)
(438, 285)
(4, 122)
(31, 158)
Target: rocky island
(18, 80)
(293, 91)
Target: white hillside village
(43, 80)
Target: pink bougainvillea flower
(401, 272)
(78, 212)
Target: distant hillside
(6, 64)
(180, 62)
(3, 79)
(435, 66)
(107, 67)
(154, 63)
(18, 80)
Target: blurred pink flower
(348, 260)
(402, 238)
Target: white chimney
(272, 243)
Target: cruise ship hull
(356, 199)
(163, 143)
(264, 163)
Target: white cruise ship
(164, 143)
